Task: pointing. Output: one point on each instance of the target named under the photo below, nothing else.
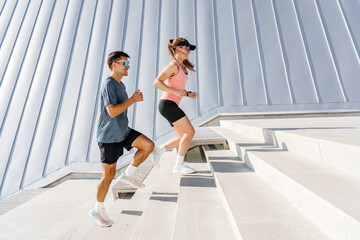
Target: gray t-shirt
(111, 130)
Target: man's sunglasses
(126, 62)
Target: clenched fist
(137, 96)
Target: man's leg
(145, 146)
(99, 211)
(109, 171)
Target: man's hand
(137, 96)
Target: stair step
(19, 198)
(334, 141)
(327, 196)
(254, 207)
(143, 170)
(157, 220)
(200, 212)
(331, 194)
(45, 214)
(205, 136)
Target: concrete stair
(325, 192)
(329, 140)
(256, 210)
(265, 186)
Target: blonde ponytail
(172, 46)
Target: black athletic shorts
(110, 152)
(170, 110)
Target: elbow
(110, 112)
(156, 83)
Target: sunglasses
(187, 48)
(126, 62)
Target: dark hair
(172, 43)
(114, 56)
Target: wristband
(187, 93)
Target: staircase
(275, 178)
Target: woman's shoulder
(173, 64)
(172, 68)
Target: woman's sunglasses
(126, 62)
(187, 48)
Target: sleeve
(109, 94)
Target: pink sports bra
(176, 82)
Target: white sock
(130, 171)
(179, 160)
(99, 206)
(161, 149)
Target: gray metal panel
(296, 59)
(274, 71)
(322, 61)
(251, 56)
(62, 139)
(186, 16)
(93, 72)
(343, 50)
(22, 146)
(252, 80)
(229, 70)
(115, 41)
(54, 94)
(10, 126)
(167, 30)
(10, 71)
(144, 110)
(15, 169)
(5, 18)
(350, 10)
(207, 58)
(2, 4)
(11, 37)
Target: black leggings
(171, 111)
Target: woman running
(176, 75)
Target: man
(114, 134)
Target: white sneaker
(131, 180)
(183, 169)
(101, 217)
(156, 157)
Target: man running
(114, 134)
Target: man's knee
(109, 175)
(149, 146)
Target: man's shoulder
(108, 82)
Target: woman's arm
(167, 72)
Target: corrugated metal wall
(252, 55)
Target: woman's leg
(172, 143)
(186, 133)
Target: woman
(176, 74)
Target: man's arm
(116, 110)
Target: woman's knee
(191, 132)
